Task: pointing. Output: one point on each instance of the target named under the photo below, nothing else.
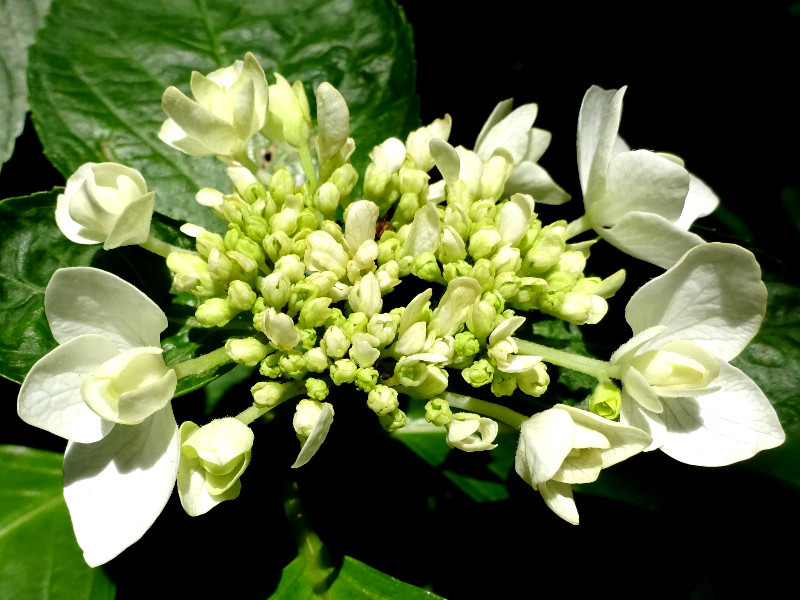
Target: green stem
(289, 391)
(312, 551)
(490, 409)
(243, 159)
(201, 363)
(578, 226)
(599, 369)
(308, 165)
(156, 246)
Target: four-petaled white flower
(677, 382)
(229, 107)
(106, 389)
(639, 201)
(105, 203)
(565, 445)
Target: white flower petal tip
(105, 203)
(116, 488)
(677, 383)
(318, 417)
(564, 445)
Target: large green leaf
(353, 581)
(99, 69)
(39, 557)
(19, 21)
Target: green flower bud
(254, 192)
(256, 228)
(288, 114)
(546, 249)
(457, 268)
(247, 351)
(480, 319)
(270, 366)
(191, 274)
(406, 208)
(437, 411)
(503, 384)
(534, 381)
(206, 240)
(384, 328)
(215, 312)
(277, 245)
(466, 344)
(393, 420)
(357, 322)
(382, 399)
(426, 267)
(293, 364)
(317, 389)
(478, 373)
(606, 400)
(483, 243)
(315, 312)
(343, 371)
(345, 178)
(308, 338)
(307, 220)
(269, 393)
(281, 184)
(366, 378)
(507, 284)
(483, 272)
(335, 318)
(326, 199)
(388, 247)
(275, 289)
(531, 291)
(413, 181)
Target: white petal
(511, 133)
(133, 224)
(558, 497)
(530, 178)
(454, 306)
(499, 112)
(721, 428)
(423, 236)
(84, 300)
(545, 441)
(714, 296)
(50, 397)
(623, 441)
(446, 159)
(598, 123)
(651, 238)
(360, 223)
(318, 435)
(116, 488)
(700, 201)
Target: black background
(716, 85)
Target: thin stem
(201, 363)
(156, 246)
(599, 369)
(243, 159)
(495, 411)
(308, 165)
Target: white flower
(418, 141)
(333, 119)
(213, 458)
(289, 116)
(513, 131)
(105, 203)
(106, 389)
(229, 106)
(677, 383)
(565, 445)
(471, 433)
(503, 349)
(639, 201)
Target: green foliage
(99, 69)
(19, 21)
(39, 558)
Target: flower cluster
(403, 284)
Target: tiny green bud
(281, 184)
(268, 393)
(357, 322)
(382, 399)
(437, 411)
(466, 344)
(483, 242)
(503, 384)
(206, 241)
(256, 228)
(317, 361)
(606, 400)
(478, 373)
(240, 295)
(366, 378)
(270, 366)
(215, 312)
(246, 351)
(293, 364)
(425, 266)
(317, 389)
(343, 371)
(315, 312)
(393, 420)
(345, 178)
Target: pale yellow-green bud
(270, 366)
(503, 384)
(334, 342)
(306, 415)
(345, 178)
(293, 364)
(281, 184)
(315, 312)
(483, 243)
(393, 420)
(437, 412)
(382, 399)
(326, 199)
(426, 267)
(277, 245)
(317, 389)
(604, 288)
(507, 284)
(317, 361)
(206, 240)
(507, 259)
(606, 400)
(366, 378)
(405, 210)
(480, 319)
(483, 272)
(288, 114)
(247, 351)
(546, 249)
(240, 295)
(384, 328)
(268, 393)
(388, 247)
(466, 344)
(356, 323)
(191, 274)
(531, 290)
(495, 174)
(343, 371)
(256, 228)
(413, 181)
(580, 309)
(215, 312)
(275, 289)
(478, 373)
(534, 381)
(221, 267)
(458, 268)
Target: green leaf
(19, 22)
(95, 91)
(39, 557)
(353, 581)
(31, 249)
